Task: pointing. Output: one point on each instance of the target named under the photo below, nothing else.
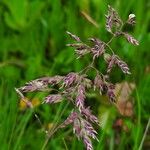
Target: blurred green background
(33, 44)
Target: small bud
(131, 19)
(131, 16)
(107, 57)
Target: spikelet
(131, 39)
(112, 19)
(76, 38)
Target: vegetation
(33, 44)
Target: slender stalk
(145, 133)
(65, 144)
(53, 130)
(110, 40)
(138, 123)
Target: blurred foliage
(33, 44)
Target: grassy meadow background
(33, 44)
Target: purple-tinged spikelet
(124, 67)
(98, 49)
(77, 128)
(99, 83)
(81, 49)
(70, 79)
(84, 130)
(131, 39)
(111, 63)
(87, 143)
(87, 83)
(70, 119)
(32, 86)
(51, 80)
(53, 98)
(112, 19)
(110, 92)
(89, 116)
(80, 97)
(116, 60)
(89, 130)
(40, 84)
